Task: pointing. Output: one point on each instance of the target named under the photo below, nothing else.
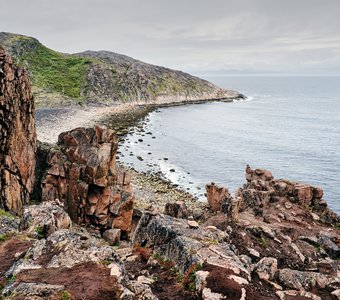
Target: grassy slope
(101, 76)
(50, 71)
(56, 72)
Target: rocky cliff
(81, 173)
(104, 77)
(271, 241)
(17, 136)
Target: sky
(197, 36)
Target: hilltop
(104, 77)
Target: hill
(104, 77)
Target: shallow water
(291, 126)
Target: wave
(249, 98)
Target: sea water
(289, 125)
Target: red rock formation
(81, 173)
(216, 196)
(262, 191)
(17, 136)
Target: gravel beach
(51, 122)
(149, 189)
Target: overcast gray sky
(299, 36)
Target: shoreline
(151, 189)
(51, 121)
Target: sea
(289, 125)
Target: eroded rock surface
(278, 240)
(17, 136)
(44, 219)
(66, 264)
(82, 174)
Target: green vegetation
(49, 70)
(106, 262)
(64, 78)
(264, 242)
(40, 232)
(54, 71)
(190, 277)
(6, 214)
(65, 295)
(3, 237)
(161, 259)
(176, 272)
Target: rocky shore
(74, 224)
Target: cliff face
(17, 136)
(104, 77)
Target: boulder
(258, 174)
(336, 294)
(112, 236)
(82, 173)
(266, 268)
(174, 239)
(17, 136)
(303, 280)
(44, 219)
(177, 210)
(304, 194)
(207, 294)
(216, 196)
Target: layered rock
(81, 172)
(17, 136)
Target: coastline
(51, 121)
(151, 189)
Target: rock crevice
(81, 172)
(17, 136)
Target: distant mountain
(104, 77)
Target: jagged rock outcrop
(17, 136)
(216, 196)
(287, 234)
(220, 200)
(275, 244)
(81, 173)
(186, 246)
(262, 191)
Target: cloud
(192, 35)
